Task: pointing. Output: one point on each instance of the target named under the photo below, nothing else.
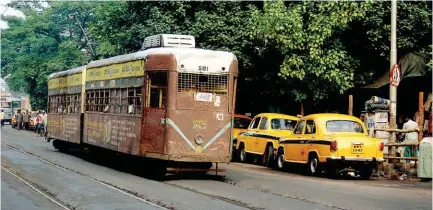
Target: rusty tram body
(173, 104)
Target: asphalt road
(68, 180)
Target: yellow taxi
(32, 122)
(335, 143)
(262, 137)
(14, 121)
(240, 124)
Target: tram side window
(57, 103)
(73, 103)
(116, 101)
(156, 96)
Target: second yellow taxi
(332, 142)
(262, 137)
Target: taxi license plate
(357, 149)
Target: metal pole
(351, 105)
(393, 89)
(420, 115)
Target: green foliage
(307, 35)
(299, 51)
(45, 42)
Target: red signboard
(395, 75)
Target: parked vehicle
(32, 122)
(332, 142)
(7, 109)
(14, 121)
(263, 135)
(240, 125)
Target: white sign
(220, 116)
(381, 117)
(206, 97)
(217, 101)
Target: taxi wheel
(268, 156)
(280, 159)
(242, 154)
(313, 165)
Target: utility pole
(393, 60)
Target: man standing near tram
(2, 118)
(19, 119)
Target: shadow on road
(137, 166)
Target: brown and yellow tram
(171, 102)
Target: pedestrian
(424, 170)
(2, 118)
(409, 138)
(26, 117)
(44, 123)
(38, 121)
(19, 119)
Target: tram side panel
(53, 125)
(70, 128)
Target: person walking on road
(44, 123)
(19, 119)
(26, 116)
(2, 118)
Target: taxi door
(292, 150)
(308, 135)
(250, 138)
(261, 138)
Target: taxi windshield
(241, 122)
(282, 124)
(344, 126)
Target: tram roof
(223, 57)
(67, 72)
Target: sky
(7, 11)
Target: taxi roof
(330, 116)
(277, 115)
(242, 116)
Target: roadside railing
(392, 146)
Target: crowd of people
(23, 121)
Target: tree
(316, 62)
(48, 40)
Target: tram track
(36, 188)
(131, 193)
(106, 184)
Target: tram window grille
(190, 82)
(156, 96)
(116, 101)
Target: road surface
(36, 176)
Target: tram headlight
(198, 139)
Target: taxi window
(299, 127)
(263, 123)
(255, 123)
(311, 127)
(282, 124)
(344, 126)
(241, 122)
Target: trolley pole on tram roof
(393, 60)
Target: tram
(170, 103)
